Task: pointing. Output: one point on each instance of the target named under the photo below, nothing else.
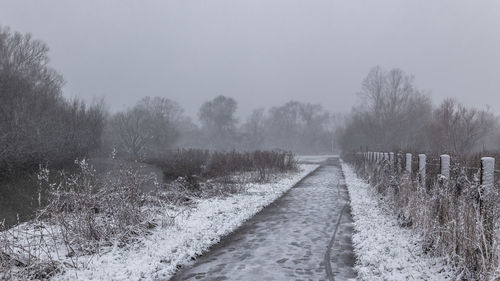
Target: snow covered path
(288, 239)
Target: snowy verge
(384, 250)
(193, 231)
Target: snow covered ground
(313, 159)
(384, 250)
(193, 231)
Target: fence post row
(422, 159)
(487, 165)
(445, 165)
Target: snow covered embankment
(384, 250)
(157, 256)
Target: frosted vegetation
(88, 215)
(384, 249)
(457, 216)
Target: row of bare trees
(300, 127)
(396, 115)
(37, 125)
(156, 125)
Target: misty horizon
(264, 54)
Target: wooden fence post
(391, 160)
(488, 172)
(422, 159)
(445, 165)
(408, 162)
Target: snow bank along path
(384, 250)
(288, 239)
(157, 257)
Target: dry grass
(458, 218)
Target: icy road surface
(288, 239)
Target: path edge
(223, 237)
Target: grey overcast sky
(264, 52)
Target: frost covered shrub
(93, 211)
(84, 212)
(458, 218)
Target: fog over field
(264, 53)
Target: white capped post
(408, 162)
(445, 165)
(488, 172)
(422, 159)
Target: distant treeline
(157, 124)
(396, 115)
(39, 126)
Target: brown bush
(201, 164)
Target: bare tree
(457, 129)
(254, 130)
(151, 126)
(300, 127)
(218, 121)
(393, 113)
